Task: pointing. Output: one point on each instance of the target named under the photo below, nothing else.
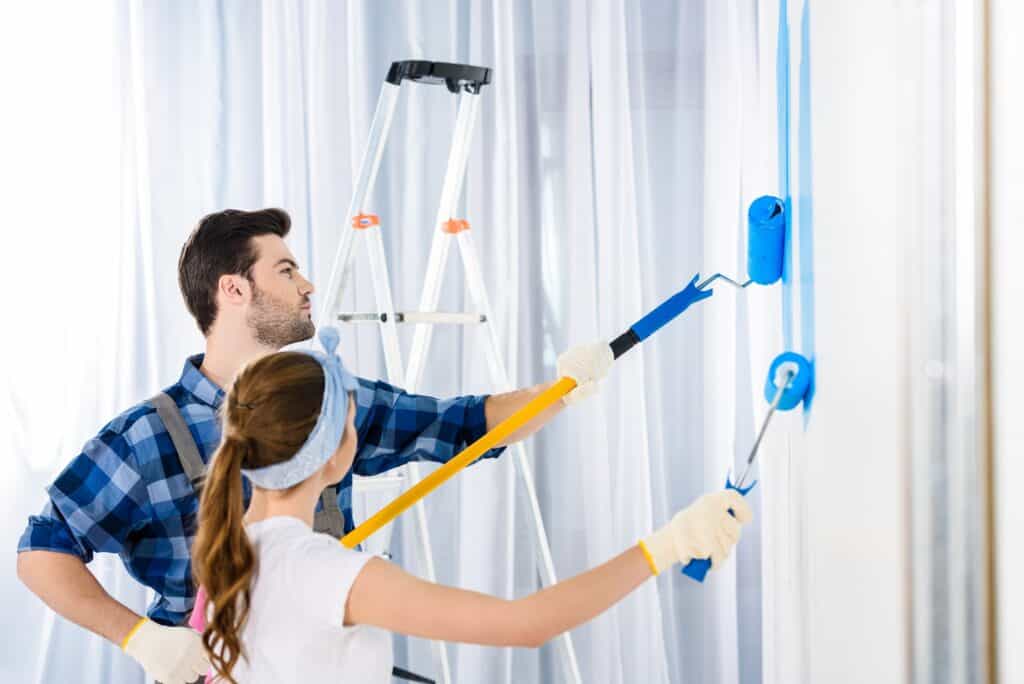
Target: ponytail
(269, 411)
(223, 559)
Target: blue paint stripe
(783, 123)
(805, 223)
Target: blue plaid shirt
(126, 492)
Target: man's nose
(305, 287)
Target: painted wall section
(836, 530)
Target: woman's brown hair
(268, 413)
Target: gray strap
(329, 519)
(181, 437)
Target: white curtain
(76, 297)
(615, 154)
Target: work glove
(170, 655)
(704, 529)
(587, 364)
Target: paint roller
(766, 243)
(789, 376)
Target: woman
(287, 604)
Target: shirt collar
(200, 386)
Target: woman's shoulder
(309, 547)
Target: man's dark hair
(222, 245)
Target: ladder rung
(362, 317)
(452, 318)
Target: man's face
(280, 312)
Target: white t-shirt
(295, 632)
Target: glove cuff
(132, 632)
(660, 549)
(648, 557)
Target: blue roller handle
(669, 309)
(665, 312)
(698, 568)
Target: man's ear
(233, 289)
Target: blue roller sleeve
(669, 309)
(797, 388)
(766, 239)
(698, 568)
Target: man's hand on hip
(170, 655)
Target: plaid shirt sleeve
(95, 503)
(396, 427)
(49, 531)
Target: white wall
(1007, 219)
(839, 571)
(845, 520)
(855, 449)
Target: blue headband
(323, 441)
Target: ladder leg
(385, 305)
(545, 562)
(453, 176)
(429, 300)
(427, 558)
(363, 188)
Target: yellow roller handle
(501, 432)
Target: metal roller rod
(764, 427)
(726, 278)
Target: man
(134, 488)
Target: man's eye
(287, 272)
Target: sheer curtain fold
(608, 166)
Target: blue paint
(796, 388)
(801, 223)
(806, 204)
(782, 120)
(766, 239)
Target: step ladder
(465, 82)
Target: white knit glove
(170, 655)
(587, 364)
(704, 529)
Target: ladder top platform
(457, 77)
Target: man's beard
(275, 324)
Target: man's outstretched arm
(396, 427)
(587, 364)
